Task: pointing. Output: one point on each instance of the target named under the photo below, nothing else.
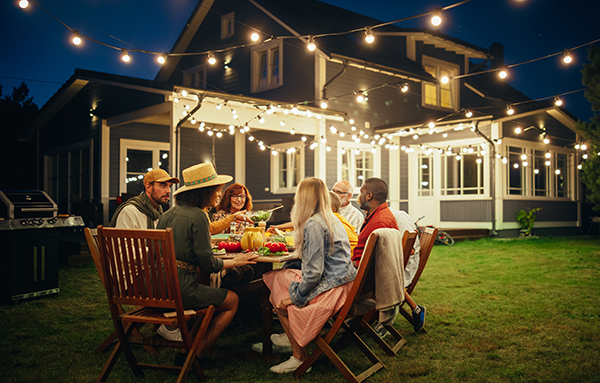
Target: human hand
(242, 259)
(271, 229)
(241, 216)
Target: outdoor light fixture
(585, 156)
(324, 104)
(546, 140)
(211, 58)
(557, 101)
(192, 121)
(332, 129)
(23, 4)
(557, 171)
(579, 166)
(436, 17)
(295, 109)
(548, 154)
(76, 38)
(360, 96)
(125, 56)
(369, 38)
(518, 130)
(210, 132)
(468, 113)
(503, 72)
(547, 163)
(510, 110)
(523, 157)
(404, 87)
(162, 58)
(184, 93)
(504, 160)
(261, 120)
(254, 36)
(311, 43)
(567, 58)
(583, 147)
(445, 79)
(431, 125)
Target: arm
(222, 224)
(313, 263)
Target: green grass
(497, 311)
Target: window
(287, 167)
(440, 95)
(195, 77)
(267, 66)
(357, 162)
(68, 176)
(462, 172)
(561, 173)
(425, 175)
(137, 158)
(227, 25)
(541, 172)
(515, 171)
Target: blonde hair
(311, 197)
(335, 202)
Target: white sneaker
(281, 340)
(172, 335)
(289, 365)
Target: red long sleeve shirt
(382, 217)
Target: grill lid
(26, 204)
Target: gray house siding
(466, 211)
(552, 211)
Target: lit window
(437, 94)
(287, 167)
(540, 174)
(227, 25)
(561, 176)
(357, 162)
(515, 171)
(462, 174)
(267, 66)
(425, 175)
(137, 157)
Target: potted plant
(526, 218)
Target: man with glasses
(344, 190)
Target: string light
(311, 46)
(369, 38)
(360, 96)
(436, 17)
(23, 4)
(503, 72)
(468, 113)
(254, 36)
(324, 103)
(557, 101)
(404, 87)
(567, 58)
(431, 125)
(510, 110)
(125, 56)
(583, 147)
(518, 130)
(162, 58)
(445, 79)
(546, 140)
(76, 38)
(211, 58)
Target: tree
(590, 175)
(16, 113)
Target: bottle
(232, 232)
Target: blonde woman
(305, 299)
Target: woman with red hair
(235, 202)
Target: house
(462, 171)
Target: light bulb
(583, 147)
(311, 43)
(468, 113)
(557, 101)
(445, 79)
(523, 157)
(23, 4)
(547, 163)
(219, 134)
(274, 152)
(332, 129)
(503, 72)
(436, 17)
(518, 130)
(510, 110)
(546, 140)
(210, 132)
(254, 36)
(162, 58)
(548, 154)
(76, 38)
(431, 125)
(504, 160)
(328, 148)
(324, 103)
(557, 171)
(585, 156)
(125, 56)
(479, 160)
(516, 165)
(211, 58)
(360, 97)
(184, 93)
(369, 38)
(404, 87)
(292, 132)
(567, 58)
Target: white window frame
(227, 25)
(425, 190)
(275, 189)
(454, 70)
(191, 77)
(481, 173)
(350, 147)
(268, 49)
(153, 146)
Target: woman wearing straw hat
(190, 224)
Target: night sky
(36, 48)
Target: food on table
(259, 215)
(230, 247)
(273, 249)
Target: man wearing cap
(143, 210)
(344, 190)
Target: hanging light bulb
(557, 171)
(311, 43)
(184, 93)
(468, 113)
(503, 72)
(323, 140)
(431, 125)
(546, 140)
(162, 58)
(583, 147)
(343, 151)
(293, 131)
(274, 152)
(510, 110)
(523, 157)
(219, 134)
(342, 134)
(360, 96)
(548, 154)
(254, 36)
(445, 79)
(504, 160)
(374, 149)
(579, 166)
(332, 129)
(76, 38)
(369, 38)
(210, 132)
(192, 120)
(250, 138)
(584, 156)
(324, 103)
(125, 56)
(436, 17)
(567, 58)
(445, 135)
(23, 4)
(518, 130)
(328, 148)
(547, 163)
(557, 101)
(261, 120)
(211, 58)
(404, 87)
(479, 160)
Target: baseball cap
(159, 175)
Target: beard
(363, 205)
(344, 200)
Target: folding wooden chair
(140, 269)
(408, 243)
(427, 240)
(91, 235)
(362, 289)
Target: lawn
(497, 311)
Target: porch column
(105, 170)
(240, 158)
(394, 178)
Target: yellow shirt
(350, 230)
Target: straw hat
(200, 176)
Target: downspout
(492, 177)
(323, 91)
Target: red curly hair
(234, 189)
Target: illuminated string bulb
(328, 148)
(547, 163)
(583, 147)
(323, 140)
(374, 149)
(567, 58)
(536, 171)
(445, 79)
(184, 93)
(282, 123)
(76, 38)
(404, 87)
(525, 163)
(332, 129)
(436, 17)
(246, 128)
(218, 106)
(479, 160)
(518, 130)
(274, 152)
(458, 157)
(261, 120)
(254, 36)
(557, 171)
(161, 59)
(546, 140)
(584, 156)
(369, 38)
(303, 138)
(342, 134)
(324, 104)
(343, 151)
(293, 131)
(510, 110)
(516, 165)
(445, 135)
(311, 46)
(548, 154)
(523, 157)
(431, 125)
(468, 113)
(504, 160)
(211, 58)
(360, 96)
(219, 134)
(557, 101)
(23, 4)
(125, 56)
(579, 166)
(210, 132)
(503, 72)
(357, 152)
(313, 145)
(192, 120)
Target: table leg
(267, 316)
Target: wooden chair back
(91, 236)
(408, 243)
(427, 240)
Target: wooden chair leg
(110, 363)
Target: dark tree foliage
(17, 110)
(591, 130)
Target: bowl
(259, 215)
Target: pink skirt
(305, 322)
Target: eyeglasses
(339, 192)
(239, 196)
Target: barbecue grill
(30, 228)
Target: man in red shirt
(373, 194)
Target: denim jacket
(322, 271)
